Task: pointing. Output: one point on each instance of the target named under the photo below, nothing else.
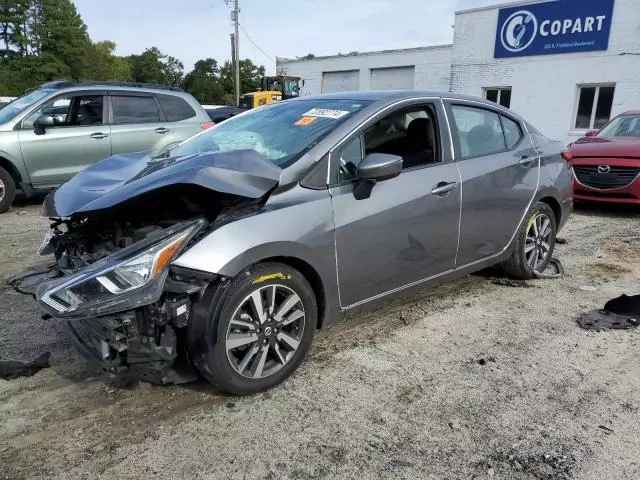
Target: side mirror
(42, 122)
(373, 168)
(591, 133)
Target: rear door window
(479, 131)
(175, 108)
(132, 110)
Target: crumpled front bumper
(120, 347)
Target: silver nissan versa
(221, 255)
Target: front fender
(16, 160)
(296, 224)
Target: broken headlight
(127, 279)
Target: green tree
(203, 82)
(147, 67)
(250, 76)
(62, 36)
(172, 71)
(103, 64)
(13, 18)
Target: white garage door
(395, 78)
(340, 81)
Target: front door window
(69, 111)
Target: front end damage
(113, 284)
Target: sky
(194, 29)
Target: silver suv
(57, 130)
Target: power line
(255, 45)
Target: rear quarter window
(175, 108)
(512, 131)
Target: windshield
(280, 132)
(622, 126)
(290, 88)
(20, 103)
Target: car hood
(627, 147)
(119, 178)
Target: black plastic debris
(600, 320)
(11, 369)
(622, 313)
(624, 305)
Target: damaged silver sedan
(221, 256)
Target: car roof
(631, 112)
(69, 86)
(383, 97)
(394, 95)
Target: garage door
(395, 78)
(340, 81)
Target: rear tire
(7, 190)
(241, 350)
(535, 243)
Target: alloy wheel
(265, 331)
(2, 190)
(537, 244)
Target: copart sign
(560, 26)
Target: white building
(567, 66)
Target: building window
(501, 96)
(594, 106)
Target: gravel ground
(475, 379)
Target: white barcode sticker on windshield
(325, 113)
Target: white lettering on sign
(570, 25)
(544, 28)
(577, 27)
(588, 24)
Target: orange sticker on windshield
(305, 121)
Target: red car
(606, 162)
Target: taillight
(208, 124)
(567, 155)
(43, 210)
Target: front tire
(7, 190)
(534, 245)
(258, 329)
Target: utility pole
(234, 67)
(236, 19)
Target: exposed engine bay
(81, 241)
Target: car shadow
(22, 200)
(611, 210)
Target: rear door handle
(162, 130)
(98, 135)
(444, 188)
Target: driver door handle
(98, 135)
(444, 188)
(162, 130)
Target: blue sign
(559, 26)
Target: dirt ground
(475, 379)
